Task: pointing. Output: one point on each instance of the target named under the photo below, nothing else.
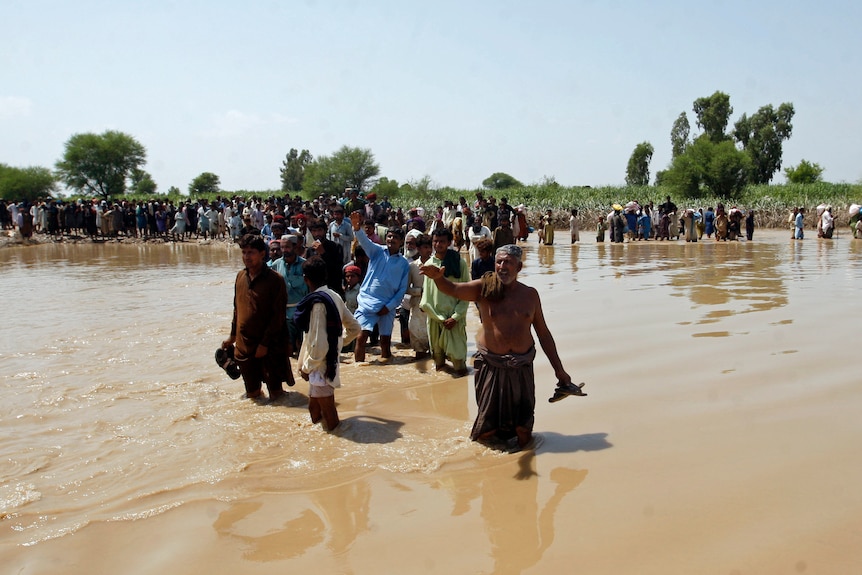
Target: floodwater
(721, 433)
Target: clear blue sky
(452, 90)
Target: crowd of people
(230, 218)
(634, 222)
(348, 271)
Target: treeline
(732, 165)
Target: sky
(449, 90)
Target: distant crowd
(229, 218)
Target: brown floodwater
(721, 432)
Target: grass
(772, 203)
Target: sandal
(564, 390)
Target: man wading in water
(505, 385)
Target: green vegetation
(804, 173)
(26, 183)
(771, 202)
(637, 171)
(500, 181)
(142, 182)
(206, 184)
(293, 170)
(720, 163)
(346, 168)
(100, 164)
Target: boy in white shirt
(322, 315)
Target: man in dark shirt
(331, 253)
(257, 328)
(668, 207)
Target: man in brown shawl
(505, 385)
(257, 328)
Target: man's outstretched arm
(468, 291)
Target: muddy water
(721, 433)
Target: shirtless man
(505, 385)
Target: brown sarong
(505, 393)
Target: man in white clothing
(322, 315)
(474, 232)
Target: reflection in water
(574, 261)
(546, 258)
(341, 515)
(825, 254)
(291, 539)
(739, 277)
(518, 530)
(121, 256)
(515, 550)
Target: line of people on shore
(667, 222)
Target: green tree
(500, 181)
(761, 136)
(100, 164)
(323, 177)
(358, 165)
(205, 184)
(386, 187)
(346, 168)
(637, 170)
(293, 170)
(142, 182)
(717, 168)
(28, 184)
(679, 135)
(713, 114)
(423, 187)
(804, 173)
(174, 191)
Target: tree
(293, 170)
(761, 136)
(637, 171)
(424, 186)
(500, 181)
(707, 166)
(358, 165)
(322, 177)
(346, 168)
(26, 183)
(100, 164)
(713, 113)
(174, 191)
(142, 182)
(679, 135)
(386, 187)
(206, 183)
(804, 173)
